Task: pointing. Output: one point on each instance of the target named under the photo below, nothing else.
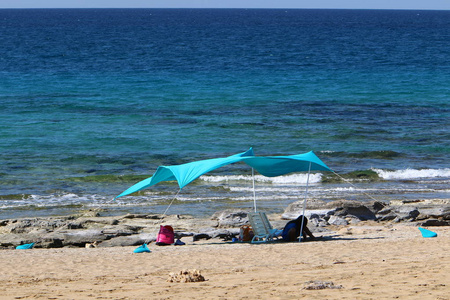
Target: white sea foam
(413, 173)
(52, 200)
(344, 189)
(287, 179)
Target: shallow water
(90, 97)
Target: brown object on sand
(186, 276)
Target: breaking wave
(288, 179)
(413, 174)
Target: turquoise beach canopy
(272, 166)
(269, 166)
(185, 173)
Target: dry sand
(373, 262)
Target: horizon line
(274, 8)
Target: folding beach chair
(262, 229)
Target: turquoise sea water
(90, 99)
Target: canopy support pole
(170, 204)
(304, 204)
(254, 193)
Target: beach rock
(181, 234)
(209, 233)
(121, 231)
(200, 236)
(236, 231)
(231, 218)
(428, 212)
(77, 232)
(435, 222)
(148, 237)
(133, 240)
(142, 216)
(309, 213)
(352, 208)
(94, 222)
(354, 211)
(50, 243)
(79, 238)
(12, 240)
(338, 221)
(405, 213)
(386, 214)
(421, 202)
(376, 206)
(21, 226)
(419, 210)
(388, 217)
(316, 221)
(353, 220)
(135, 229)
(26, 225)
(361, 210)
(74, 225)
(223, 233)
(104, 236)
(385, 211)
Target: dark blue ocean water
(90, 98)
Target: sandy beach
(117, 118)
(364, 261)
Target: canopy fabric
(269, 166)
(272, 166)
(186, 173)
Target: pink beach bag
(166, 236)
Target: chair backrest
(260, 223)
(257, 223)
(266, 222)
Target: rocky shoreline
(91, 228)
